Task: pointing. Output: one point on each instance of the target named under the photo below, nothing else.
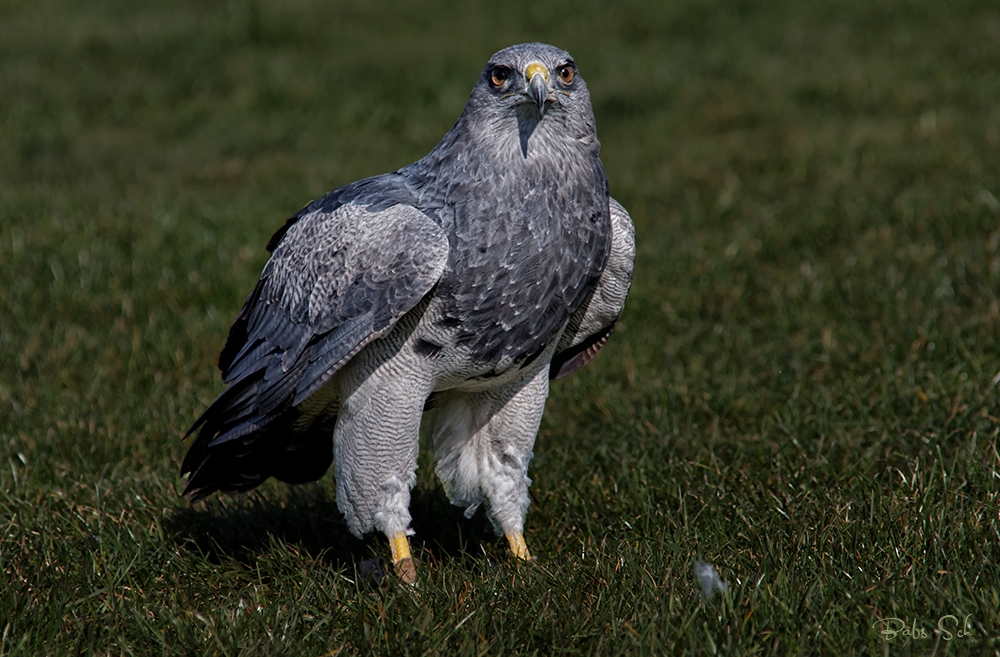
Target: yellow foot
(402, 562)
(519, 547)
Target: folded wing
(337, 280)
(591, 326)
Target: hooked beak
(538, 85)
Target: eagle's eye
(566, 73)
(499, 76)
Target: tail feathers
(243, 460)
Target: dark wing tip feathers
(569, 361)
(234, 468)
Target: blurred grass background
(802, 390)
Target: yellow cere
(536, 68)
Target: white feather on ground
(709, 580)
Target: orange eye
(499, 76)
(566, 74)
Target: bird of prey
(462, 282)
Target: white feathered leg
(483, 442)
(376, 441)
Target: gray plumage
(463, 281)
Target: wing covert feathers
(336, 281)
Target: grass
(802, 390)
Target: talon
(519, 547)
(402, 561)
(406, 571)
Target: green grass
(801, 390)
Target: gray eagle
(461, 283)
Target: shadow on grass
(242, 529)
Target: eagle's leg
(519, 547)
(401, 559)
(483, 441)
(376, 441)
